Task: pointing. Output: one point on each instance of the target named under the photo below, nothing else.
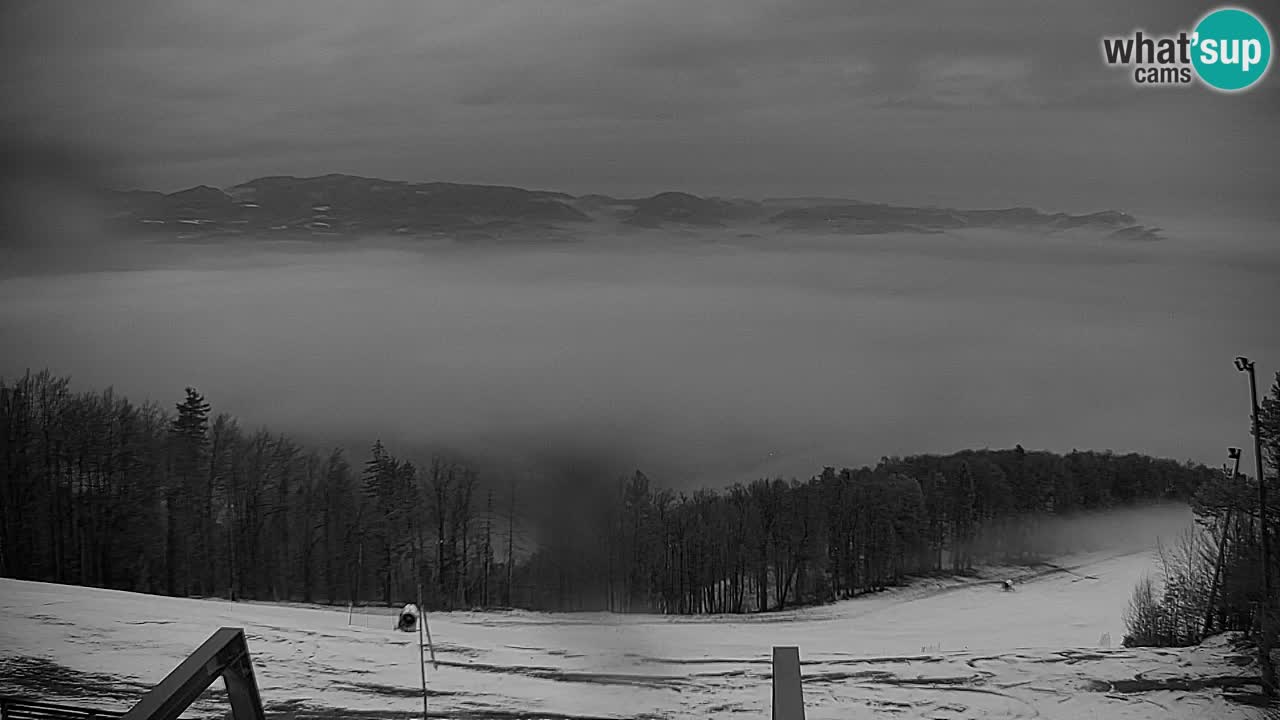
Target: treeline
(97, 490)
(770, 544)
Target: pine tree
(340, 527)
(379, 488)
(1269, 428)
(189, 438)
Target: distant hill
(685, 209)
(338, 205)
(868, 218)
(343, 205)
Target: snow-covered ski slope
(940, 650)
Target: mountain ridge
(339, 205)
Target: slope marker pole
(422, 660)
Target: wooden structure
(19, 709)
(788, 694)
(224, 655)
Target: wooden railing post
(788, 695)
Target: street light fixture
(1233, 453)
(1243, 364)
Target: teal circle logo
(1231, 49)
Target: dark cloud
(816, 96)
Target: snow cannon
(408, 619)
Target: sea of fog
(699, 358)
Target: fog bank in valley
(699, 359)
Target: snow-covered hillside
(947, 650)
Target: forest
(98, 490)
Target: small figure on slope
(1007, 585)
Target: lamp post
(1245, 365)
(1233, 453)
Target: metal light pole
(1243, 364)
(1234, 454)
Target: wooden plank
(225, 655)
(20, 709)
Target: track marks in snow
(37, 676)
(1030, 656)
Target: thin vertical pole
(1262, 485)
(1268, 671)
(1264, 646)
(422, 661)
(231, 544)
(511, 523)
(359, 571)
(431, 646)
(1222, 552)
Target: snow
(941, 649)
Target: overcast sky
(988, 103)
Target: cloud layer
(695, 361)
(993, 104)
